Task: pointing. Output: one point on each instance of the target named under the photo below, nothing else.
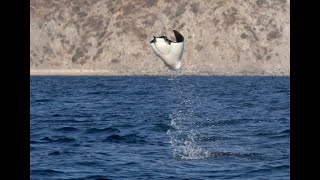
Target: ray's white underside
(169, 52)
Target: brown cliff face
(221, 36)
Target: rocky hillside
(221, 36)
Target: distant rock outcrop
(221, 36)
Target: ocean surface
(159, 127)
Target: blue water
(160, 127)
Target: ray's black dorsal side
(163, 37)
(179, 37)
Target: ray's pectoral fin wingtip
(153, 40)
(179, 37)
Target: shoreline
(88, 72)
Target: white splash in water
(186, 148)
(183, 136)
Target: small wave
(129, 164)
(281, 167)
(111, 92)
(263, 134)
(132, 138)
(262, 170)
(100, 85)
(285, 90)
(88, 163)
(279, 136)
(161, 127)
(82, 115)
(57, 115)
(60, 139)
(45, 172)
(94, 93)
(54, 153)
(67, 129)
(65, 139)
(287, 131)
(236, 155)
(34, 142)
(43, 100)
(198, 154)
(275, 135)
(47, 139)
(97, 177)
(103, 130)
(142, 92)
(67, 120)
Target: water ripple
(153, 127)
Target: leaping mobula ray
(170, 52)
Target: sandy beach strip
(73, 72)
(95, 72)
